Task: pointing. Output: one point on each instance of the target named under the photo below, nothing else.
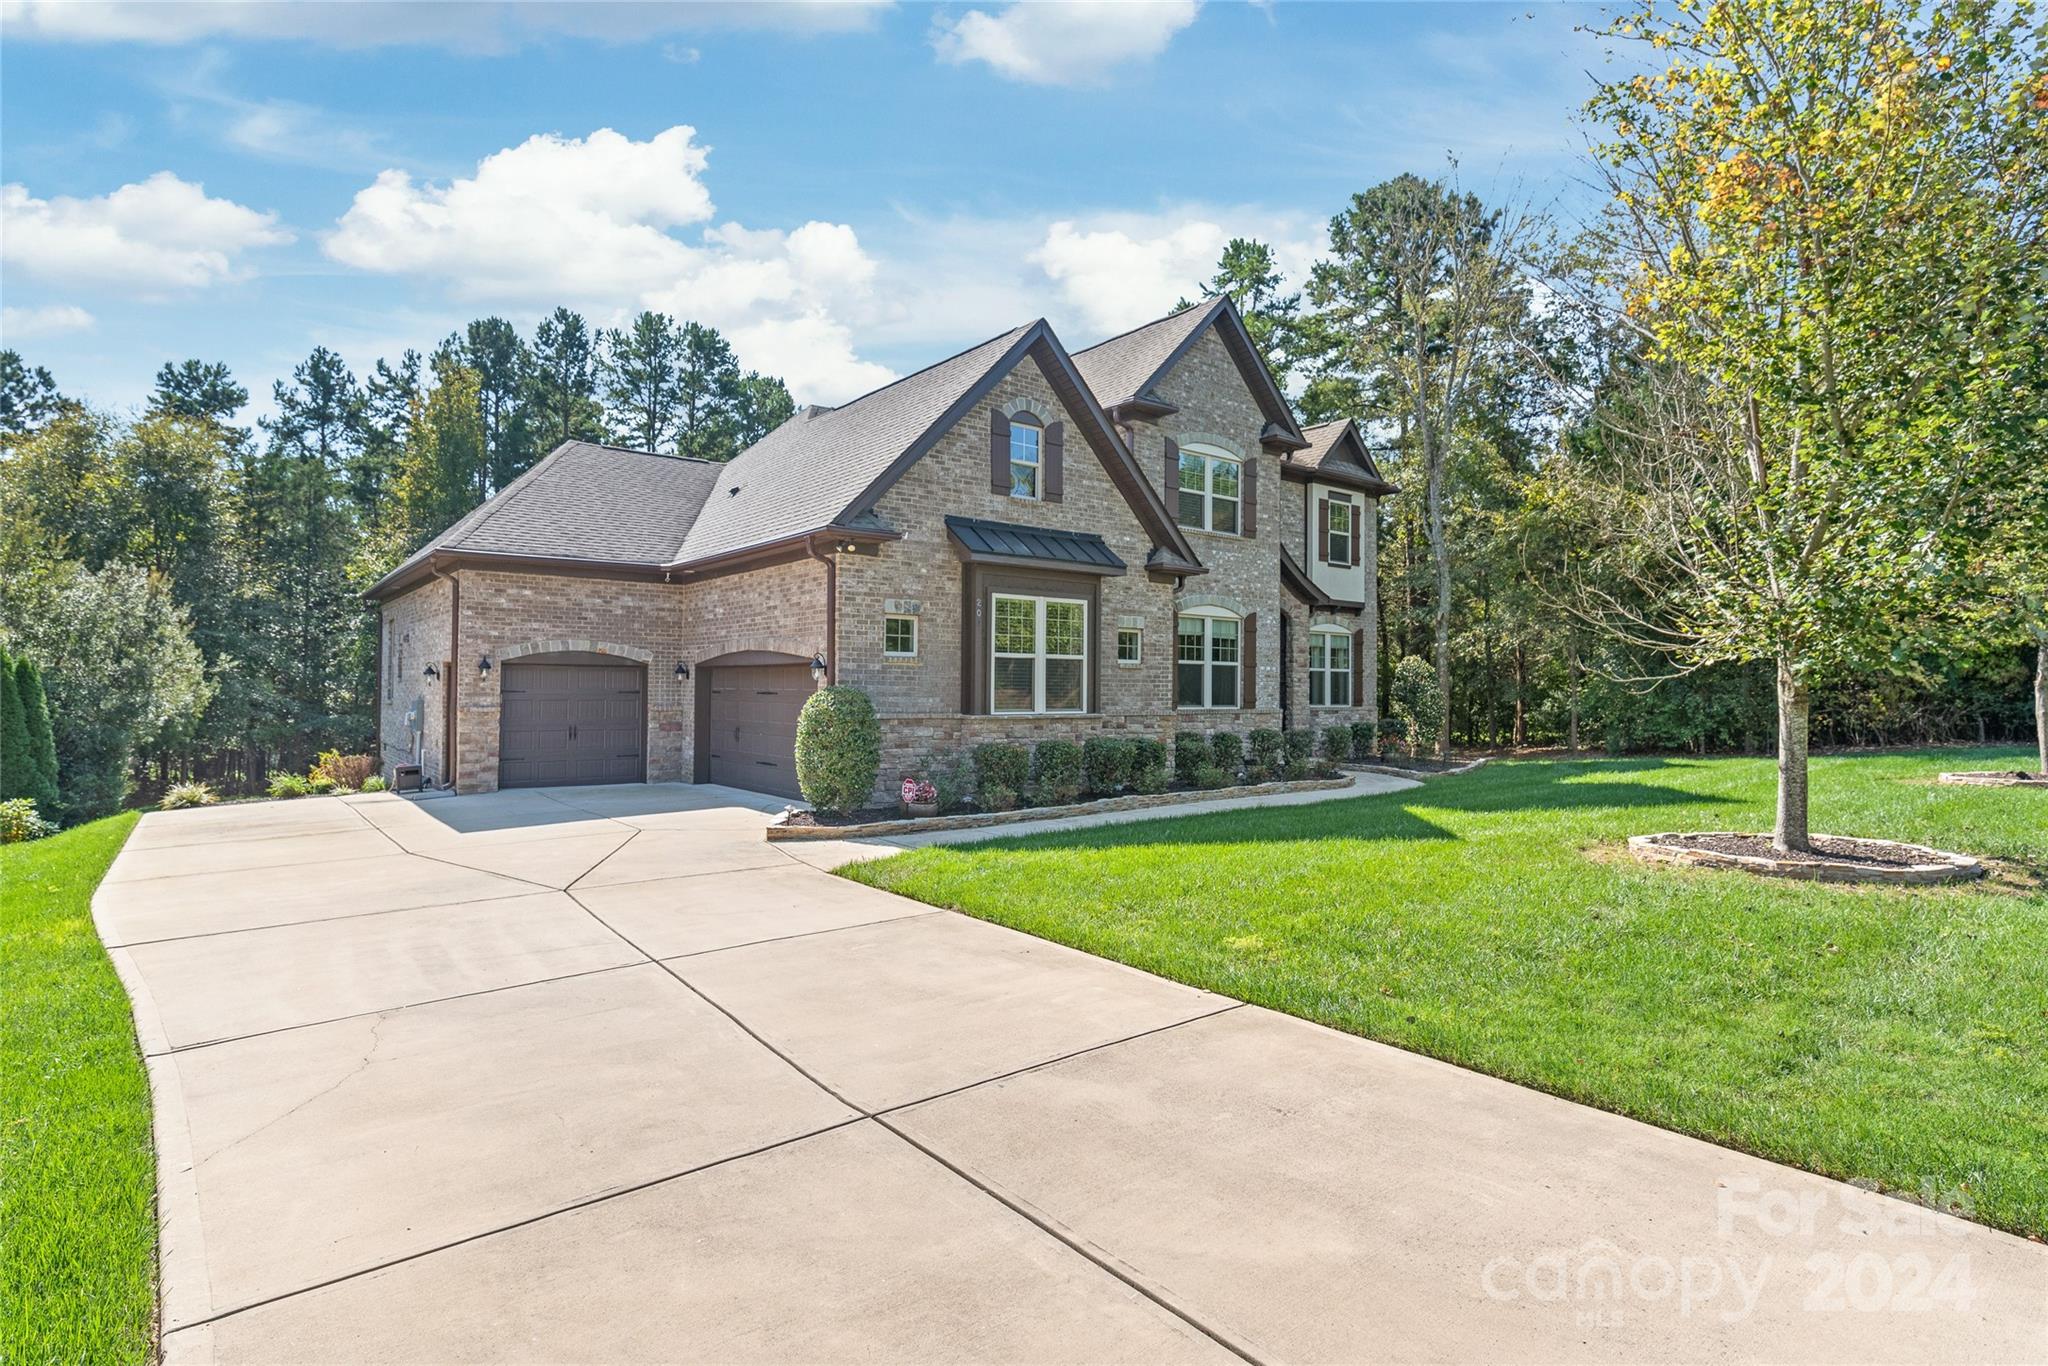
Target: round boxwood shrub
(1056, 777)
(1148, 766)
(1108, 763)
(1226, 748)
(838, 748)
(1190, 752)
(1364, 735)
(1001, 774)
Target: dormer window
(1027, 458)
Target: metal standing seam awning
(1006, 543)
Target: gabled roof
(1297, 581)
(1337, 454)
(1124, 370)
(605, 506)
(826, 468)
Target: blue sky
(849, 191)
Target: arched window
(1027, 457)
(1329, 667)
(1211, 490)
(1208, 658)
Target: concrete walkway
(599, 1075)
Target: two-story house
(1015, 543)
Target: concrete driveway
(597, 1074)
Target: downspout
(377, 696)
(831, 563)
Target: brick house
(1016, 543)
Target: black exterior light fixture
(483, 666)
(431, 672)
(682, 672)
(818, 667)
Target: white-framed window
(1337, 546)
(1211, 490)
(899, 636)
(1329, 668)
(1206, 660)
(1130, 645)
(1038, 651)
(1027, 458)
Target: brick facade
(508, 614)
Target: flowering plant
(920, 790)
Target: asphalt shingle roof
(1117, 369)
(809, 471)
(583, 501)
(1327, 448)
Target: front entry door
(569, 724)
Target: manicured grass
(77, 1212)
(1489, 919)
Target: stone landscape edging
(778, 831)
(1994, 777)
(1941, 866)
(1419, 774)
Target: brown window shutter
(1170, 490)
(998, 452)
(1249, 523)
(1357, 532)
(1322, 531)
(1358, 667)
(1248, 664)
(1055, 463)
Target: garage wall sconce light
(818, 667)
(682, 672)
(431, 672)
(483, 666)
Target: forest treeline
(1752, 455)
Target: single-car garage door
(572, 719)
(750, 737)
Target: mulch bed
(2000, 777)
(1826, 849)
(1833, 858)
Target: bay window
(1206, 665)
(1329, 668)
(1039, 654)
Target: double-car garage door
(572, 719)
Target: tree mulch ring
(1997, 777)
(1833, 858)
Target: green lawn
(1488, 918)
(77, 1172)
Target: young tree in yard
(640, 389)
(1823, 214)
(561, 391)
(1418, 291)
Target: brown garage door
(751, 734)
(568, 722)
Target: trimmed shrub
(1190, 752)
(1108, 764)
(180, 795)
(289, 785)
(1209, 777)
(19, 821)
(1337, 743)
(953, 775)
(1267, 749)
(17, 773)
(1000, 771)
(1226, 750)
(375, 783)
(1417, 703)
(345, 771)
(838, 748)
(42, 739)
(1148, 766)
(1393, 730)
(1301, 744)
(1056, 773)
(1298, 769)
(1364, 735)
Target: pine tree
(387, 416)
(28, 396)
(17, 763)
(707, 394)
(640, 385)
(764, 405)
(437, 472)
(561, 398)
(197, 390)
(42, 744)
(492, 349)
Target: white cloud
(594, 222)
(20, 324)
(487, 28)
(1129, 269)
(1073, 43)
(158, 234)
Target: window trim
(1039, 656)
(1019, 423)
(1333, 502)
(1211, 457)
(1208, 616)
(1328, 673)
(889, 618)
(1138, 655)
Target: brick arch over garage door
(747, 707)
(571, 717)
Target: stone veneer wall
(416, 628)
(919, 699)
